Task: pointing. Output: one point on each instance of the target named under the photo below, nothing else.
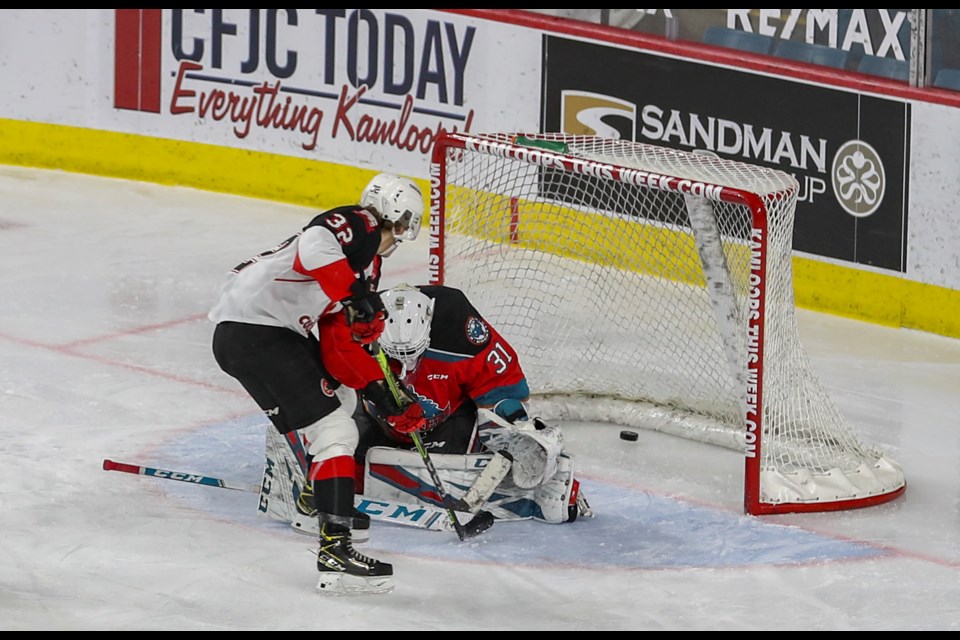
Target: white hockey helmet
(396, 199)
(407, 332)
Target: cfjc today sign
(369, 76)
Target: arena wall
(303, 106)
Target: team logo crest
(477, 331)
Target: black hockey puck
(629, 435)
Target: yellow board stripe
(889, 300)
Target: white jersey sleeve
(269, 289)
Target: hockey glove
(405, 416)
(409, 421)
(364, 313)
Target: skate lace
(328, 541)
(356, 555)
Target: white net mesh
(628, 296)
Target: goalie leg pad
(396, 476)
(282, 475)
(401, 475)
(553, 496)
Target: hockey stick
(192, 478)
(493, 474)
(480, 522)
(412, 515)
(486, 483)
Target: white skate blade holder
(345, 584)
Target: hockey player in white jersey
(265, 317)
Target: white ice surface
(104, 353)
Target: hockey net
(652, 288)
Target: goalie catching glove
(405, 416)
(534, 447)
(365, 313)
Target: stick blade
(478, 524)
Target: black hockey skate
(343, 571)
(306, 519)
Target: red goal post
(652, 288)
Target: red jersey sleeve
(494, 373)
(345, 358)
(335, 246)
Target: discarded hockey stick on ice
(483, 520)
(411, 515)
(192, 478)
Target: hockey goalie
(486, 450)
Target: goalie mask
(396, 199)
(407, 332)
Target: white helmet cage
(407, 332)
(396, 199)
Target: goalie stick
(483, 520)
(412, 515)
(496, 470)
